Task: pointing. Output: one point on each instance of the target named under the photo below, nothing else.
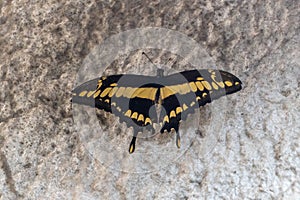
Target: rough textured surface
(43, 45)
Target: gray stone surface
(257, 154)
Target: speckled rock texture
(257, 154)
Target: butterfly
(133, 97)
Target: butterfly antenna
(160, 72)
(149, 59)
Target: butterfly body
(133, 97)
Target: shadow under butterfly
(133, 97)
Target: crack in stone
(7, 171)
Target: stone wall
(256, 153)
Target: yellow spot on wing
(146, 93)
(166, 92)
(184, 106)
(172, 114)
(204, 94)
(99, 84)
(174, 88)
(199, 86)
(114, 104)
(193, 103)
(90, 93)
(97, 94)
(141, 117)
(105, 92)
(221, 84)
(128, 113)
(228, 83)
(83, 93)
(120, 91)
(134, 115)
(106, 100)
(166, 119)
(198, 98)
(128, 92)
(236, 83)
(184, 88)
(214, 85)
(206, 85)
(200, 78)
(113, 91)
(148, 120)
(193, 86)
(113, 84)
(178, 110)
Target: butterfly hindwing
(134, 111)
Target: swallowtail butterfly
(132, 97)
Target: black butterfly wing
(184, 92)
(130, 97)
